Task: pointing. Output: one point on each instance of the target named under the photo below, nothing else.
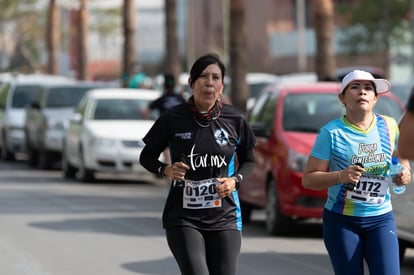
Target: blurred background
(100, 39)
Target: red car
(286, 118)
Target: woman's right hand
(352, 174)
(176, 171)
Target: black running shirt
(210, 152)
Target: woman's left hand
(226, 187)
(404, 177)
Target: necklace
(201, 125)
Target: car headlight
(141, 143)
(103, 142)
(55, 124)
(296, 161)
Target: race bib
(201, 194)
(370, 189)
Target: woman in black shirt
(211, 147)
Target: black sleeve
(155, 104)
(149, 160)
(246, 163)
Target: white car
(256, 83)
(105, 133)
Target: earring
(343, 104)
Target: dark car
(286, 119)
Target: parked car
(403, 206)
(105, 133)
(46, 117)
(402, 91)
(256, 83)
(375, 71)
(15, 94)
(286, 119)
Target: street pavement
(53, 226)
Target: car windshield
(65, 96)
(309, 112)
(402, 91)
(389, 107)
(24, 95)
(256, 88)
(119, 109)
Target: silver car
(46, 118)
(16, 93)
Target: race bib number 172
(370, 189)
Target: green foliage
(22, 20)
(370, 20)
(106, 22)
(10, 10)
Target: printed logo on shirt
(222, 137)
(197, 160)
(184, 135)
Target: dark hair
(169, 81)
(202, 62)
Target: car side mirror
(35, 105)
(76, 118)
(259, 129)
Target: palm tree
(172, 62)
(83, 34)
(52, 38)
(129, 56)
(323, 23)
(238, 55)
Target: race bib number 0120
(201, 194)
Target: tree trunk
(238, 55)
(386, 36)
(83, 45)
(129, 55)
(323, 23)
(172, 63)
(52, 38)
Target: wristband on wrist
(161, 170)
(237, 179)
(339, 175)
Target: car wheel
(32, 156)
(276, 223)
(5, 154)
(84, 174)
(43, 160)
(68, 170)
(31, 153)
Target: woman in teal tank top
(351, 158)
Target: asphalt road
(52, 226)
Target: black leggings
(199, 252)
